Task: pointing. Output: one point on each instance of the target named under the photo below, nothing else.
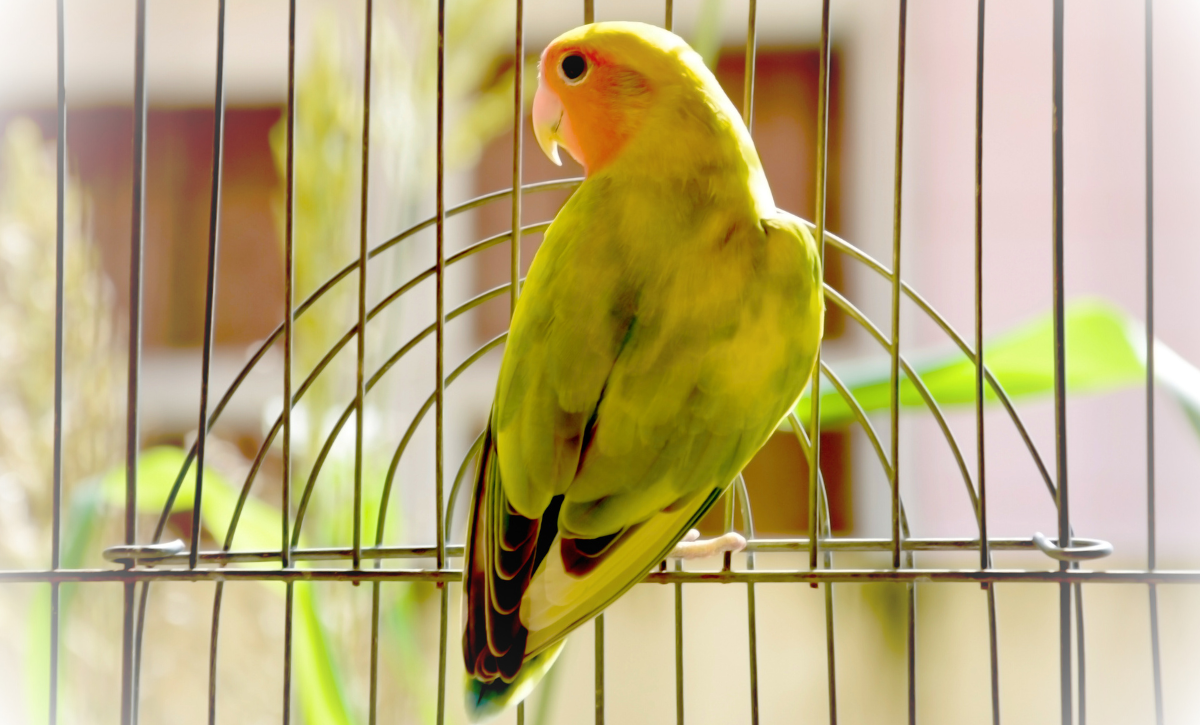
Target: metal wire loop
(1079, 550)
(143, 553)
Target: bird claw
(691, 547)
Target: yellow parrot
(670, 320)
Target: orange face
(587, 103)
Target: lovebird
(669, 322)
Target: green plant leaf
(319, 686)
(1105, 350)
(706, 37)
(158, 467)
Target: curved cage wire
(146, 559)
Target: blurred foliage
(706, 37)
(1105, 351)
(329, 684)
(328, 147)
(319, 685)
(27, 321)
(91, 378)
(326, 221)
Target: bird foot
(691, 547)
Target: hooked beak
(551, 125)
(547, 121)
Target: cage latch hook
(144, 553)
(1081, 549)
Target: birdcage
(826, 571)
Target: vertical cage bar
(984, 547)
(1156, 655)
(751, 604)
(1151, 504)
(589, 12)
(985, 553)
(911, 651)
(440, 386)
(138, 638)
(289, 316)
(210, 300)
(59, 313)
(138, 224)
(830, 642)
(128, 693)
(740, 483)
(830, 652)
(212, 653)
(373, 701)
(897, 207)
(816, 500)
(443, 617)
(894, 378)
(727, 557)
(440, 369)
(518, 143)
(822, 154)
(994, 650)
(373, 695)
(1081, 686)
(206, 355)
(1060, 379)
(289, 608)
(360, 390)
(1060, 393)
(669, 12)
(288, 294)
(752, 626)
(60, 216)
(599, 669)
(751, 58)
(678, 647)
(132, 430)
(285, 549)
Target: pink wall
(1104, 226)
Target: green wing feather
(633, 363)
(733, 323)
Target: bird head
(598, 83)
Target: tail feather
(525, 587)
(485, 700)
(502, 552)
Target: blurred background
(1105, 212)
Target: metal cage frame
(148, 560)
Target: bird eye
(573, 67)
